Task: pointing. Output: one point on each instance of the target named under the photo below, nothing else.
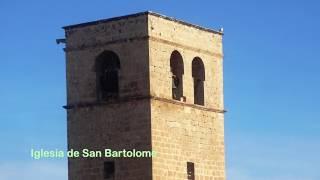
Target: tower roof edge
(141, 14)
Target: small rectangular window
(109, 170)
(190, 170)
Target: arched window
(107, 72)
(176, 67)
(198, 74)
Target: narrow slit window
(190, 170)
(109, 170)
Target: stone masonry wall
(122, 123)
(183, 132)
(145, 117)
(104, 127)
(125, 37)
(167, 36)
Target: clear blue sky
(271, 68)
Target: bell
(173, 85)
(175, 82)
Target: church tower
(150, 83)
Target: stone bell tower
(146, 82)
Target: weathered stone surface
(145, 117)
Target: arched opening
(107, 72)
(177, 70)
(198, 74)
